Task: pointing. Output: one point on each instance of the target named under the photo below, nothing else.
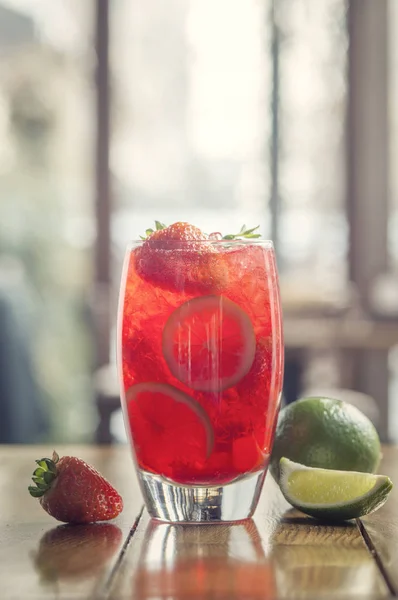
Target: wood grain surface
(382, 526)
(280, 553)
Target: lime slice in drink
(168, 425)
(332, 495)
(209, 343)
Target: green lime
(332, 495)
(326, 433)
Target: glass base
(175, 503)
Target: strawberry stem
(44, 475)
(160, 225)
(149, 232)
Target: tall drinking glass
(201, 367)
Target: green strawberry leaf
(40, 485)
(243, 233)
(39, 472)
(35, 492)
(42, 463)
(49, 477)
(148, 232)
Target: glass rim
(180, 244)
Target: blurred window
(46, 191)
(196, 132)
(312, 108)
(191, 121)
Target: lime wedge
(332, 495)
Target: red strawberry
(181, 257)
(72, 491)
(178, 232)
(178, 257)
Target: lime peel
(332, 495)
(326, 433)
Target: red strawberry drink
(201, 357)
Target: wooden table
(279, 554)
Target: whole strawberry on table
(72, 491)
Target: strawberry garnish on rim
(193, 266)
(174, 257)
(177, 232)
(72, 491)
(185, 231)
